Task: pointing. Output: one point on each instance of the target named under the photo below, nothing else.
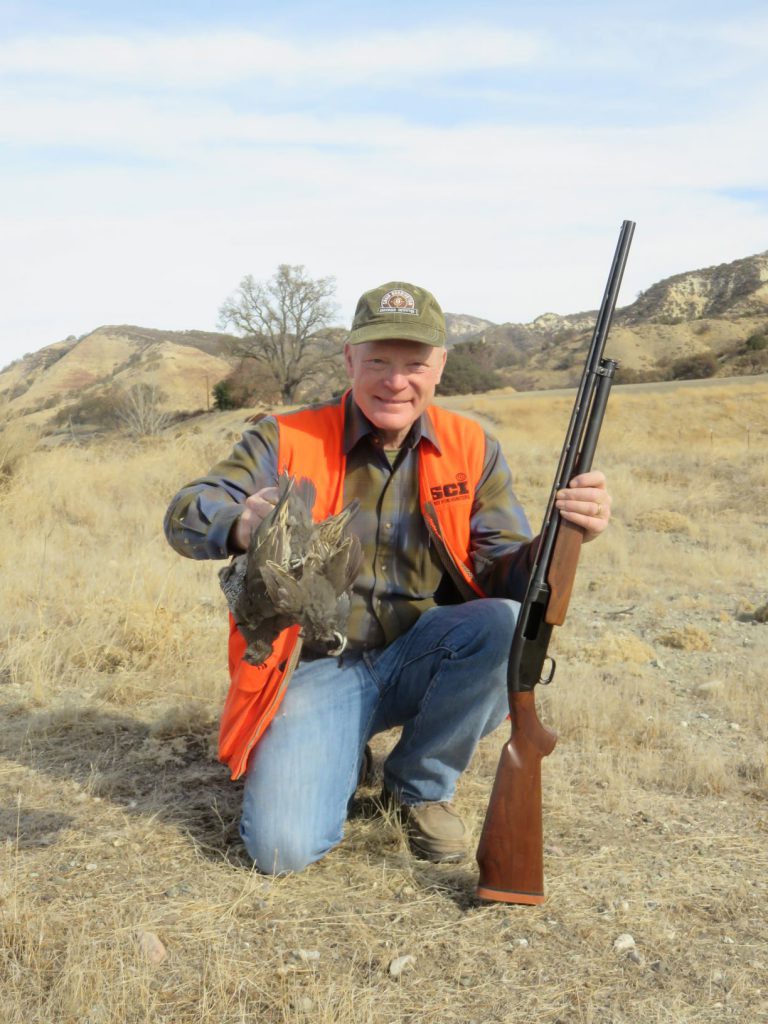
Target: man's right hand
(257, 508)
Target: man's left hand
(587, 503)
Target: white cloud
(727, 151)
(223, 58)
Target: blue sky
(154, 154)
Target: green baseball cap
(398, 311)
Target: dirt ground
(125, 895)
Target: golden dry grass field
(118, 826)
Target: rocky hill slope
(718, 314)
(733, 290)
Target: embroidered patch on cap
(398, 301)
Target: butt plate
(529, 899)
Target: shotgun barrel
(511, 849)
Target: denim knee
(281, 852)
(493, 624)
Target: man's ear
(348, 359)
(442, 365)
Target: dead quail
(295, 571)
(241, 581)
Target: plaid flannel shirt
(401, 574)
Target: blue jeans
(444, 682)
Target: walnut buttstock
(511, 849)
(562, 571)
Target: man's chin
(385, 414)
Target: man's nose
(397, 379)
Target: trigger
(546, 678)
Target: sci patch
(398, 301)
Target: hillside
(182, 365)
(738, 289)
(718, 314)
(711, 311)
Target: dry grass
(17, 440)
(117, 821)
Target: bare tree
(139, 410)
(281, 323)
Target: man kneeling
(446, 554)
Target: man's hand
(257, 508)
(587, 503)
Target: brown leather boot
(435, 831)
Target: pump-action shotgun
(511, 849)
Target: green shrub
(694, 367)
(250, 384)
(465, 372)
(99, 409)
(222, 397)
(757, 342)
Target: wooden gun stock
(511, 848)
(562, 571)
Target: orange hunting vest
(311, 445)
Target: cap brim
(400, 331)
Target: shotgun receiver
(511, 849)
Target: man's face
(393, 382)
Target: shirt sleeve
(501, 546)
(201, 516)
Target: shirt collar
(357, 426)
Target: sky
(153, 154)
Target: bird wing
(331, 531)
(343, 564)
(284, 591)
(298, 523)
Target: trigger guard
(545, 680)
